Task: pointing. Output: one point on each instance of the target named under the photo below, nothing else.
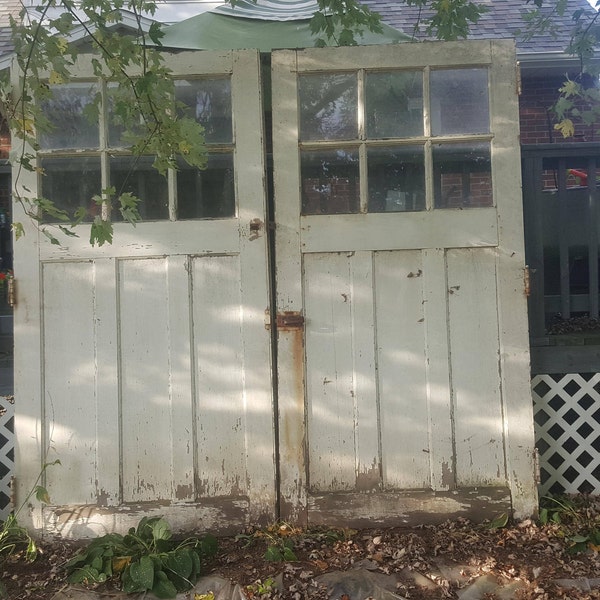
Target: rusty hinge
(527, 281)
(11, 293)
(536, 466)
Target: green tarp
(210, 31)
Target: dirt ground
(534, 554)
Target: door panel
(389, 244)
(156, 370)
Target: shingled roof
(503, 20)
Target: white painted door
(402, 348)
(144, 366)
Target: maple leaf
(566, 127)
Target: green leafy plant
(259, 588)
(554, 509)
(15, 537)
(146, 559)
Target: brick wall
(538, 95)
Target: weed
(146, 559)
(13, 536)
(259, 588)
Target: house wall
(538, 95)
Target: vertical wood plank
(439, 396)
(341, 391)
(30, 441)
(254, 272)
(593, 237)
(219, 378)
(534, 243)
(512, 308)
(180, 378)
(563, 241)
(474, 362)
(401, 368)
(290, 343)
(147, 426)
(69, 379)
(329, 373)
(108, 406)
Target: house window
(80, 156)
(395, 141)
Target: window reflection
(328, 106)
(136, 175)
(208, 101)
(396, 179)
(394, 104)
(462, 175)
(459, 101)
(71, 127)
(71, 183)
(209, 193)
(330, 182)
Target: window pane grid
(100, 156)
(422, 140)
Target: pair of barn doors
(360, 359)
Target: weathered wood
(406, 509)
(401, 375)
(512, 314)
(450, 228)
(474, 349)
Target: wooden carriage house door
(402, 357)
(155, 378)
(145, 366)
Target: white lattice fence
(567, 430)
(7, 450)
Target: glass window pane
(71, 127)
(119, 97)
(462, 175)
(136, 175)
(394, 104)
(71, 182)
(330, 182)
(328, 106)
(459, 101)
(209, 102)
(396, 179)
(209, 193)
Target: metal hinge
(536, 466)
(519, 81)
(527, 281)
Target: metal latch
(290, 320)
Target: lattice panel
(7, 454)
(567, 430)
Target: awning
(270, 10)
(212, 31)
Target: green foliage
(341, 21)
(576, 521)
(451, 19)
(15, 537)
(499, 522)
(260, 589)
(141, 88)
(146, 559)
